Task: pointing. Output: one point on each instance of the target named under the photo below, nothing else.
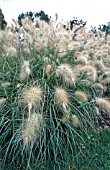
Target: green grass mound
(54, 98)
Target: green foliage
(78, 22)
(105, 28)
(32, 15)
(42, 16)
(3, 23)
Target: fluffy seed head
(74, 46)
(97, 111)
(11, 51)
(46, 60)
(80, 38)
(22, 75)
(32, 129)
(48, 69)
(2, 101)
(99, 87)
(82, 59)
(99, 65)
(91, 72)
(61, 97)
(106, 81)
(32, 95)
(5, 84)
(85, 82)
(77, 53)
(75, 120)
(66, 72)
(38, 46)
(82, 96)
(66, 117)
(25, 70)
(104, 104)
(107, 73)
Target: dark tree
(105, 28)
(32, 15)
(42, 16)
(75, 21)
(3, 23)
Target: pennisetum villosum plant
(53, 91)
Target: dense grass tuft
(54, 98)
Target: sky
(95, 12)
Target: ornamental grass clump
(54, 91)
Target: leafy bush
(32, 16)
(3, 23)
(54, 92)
